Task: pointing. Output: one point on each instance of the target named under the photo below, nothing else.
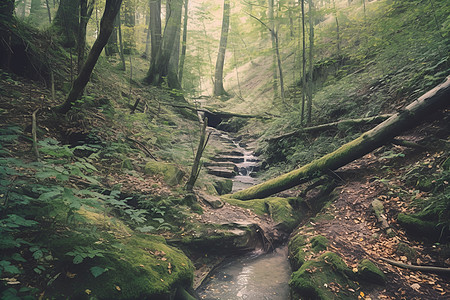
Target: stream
(255, 275)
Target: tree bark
(274, 55)
(66, 21)
(159, 67)
(311, 62)
(333, 125)
(155, 28)
(218, 75)
(302, 118)
(409, 117)
(197, 163)
(106, 27)
(183, 43)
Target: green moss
(319, 243)
(315, 278)
(297, 251)
(279, 209)
(416, 226)
(138, 267)
(171, 173)
(223, 186)
(368, 271)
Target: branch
(143, 146)
(264, 24)
(428, 269)
(33, 132)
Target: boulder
(172, 174)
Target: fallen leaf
(415, 286)
(118, 288)
(88, 291)
(70, 275)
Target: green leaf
(38, 254)
(148, 228)
(77, 259)
(97, 271)
(8, 268)
(18, 257)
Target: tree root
(428, 269)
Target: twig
(429, 269)
(407, 144)
(33, 132)
(143, 146)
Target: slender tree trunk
(82, 33)
(218, 75)
(184, 41)
(409, 117)
(48, 12)
(274, 54)
(280, 70)
(338, 38)
(129, 21)
(197, 163)
(303, 62)
(147, 51)
(311, 61)
(121, 51)
(106, 27)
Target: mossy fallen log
(409, 117)
(332, 125)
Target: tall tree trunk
(106, 27)
(155, 28)
(311, 61)
(338, 38)
(129, 22)
(48, 11)
(303, 62)
(183, 42)
(66, 21)
(121, 51)
(8, 20)
(147, 39)
(409, 117)
(218, 75)
(274, 55)
(82, 33)
(112, 47)
(159, 68)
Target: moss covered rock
(415, 225)
(319, 243)
(326, 277)
(135, 267)
(223, 186)
(368, 271)
(279, 209)
(172, 174)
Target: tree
(155, 27)
(303, 61)
(129, 22)
(409, 117)
(274, 55)
(218, 75)
(66, 22)
(112, 47)
(112, 7)
(160, 67)
(184, 41)
(85, 14)
(7, 18)
(311, 61)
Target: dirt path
(354, 232)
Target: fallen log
(409, 117)
(333, 125)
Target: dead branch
(428, 269)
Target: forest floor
(350, 225)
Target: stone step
(223, 164)
(224, 158)
(221, 172)
(231, 153)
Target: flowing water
(254, 276)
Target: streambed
(255, 275)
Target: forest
(224, 149)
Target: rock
(222, 158)
(223, 186)
(315, 277)
(231, 153)
(243, 171)
(222, 164)
(172, 174)
(214, 201)
(368, 271)
(221, 172)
